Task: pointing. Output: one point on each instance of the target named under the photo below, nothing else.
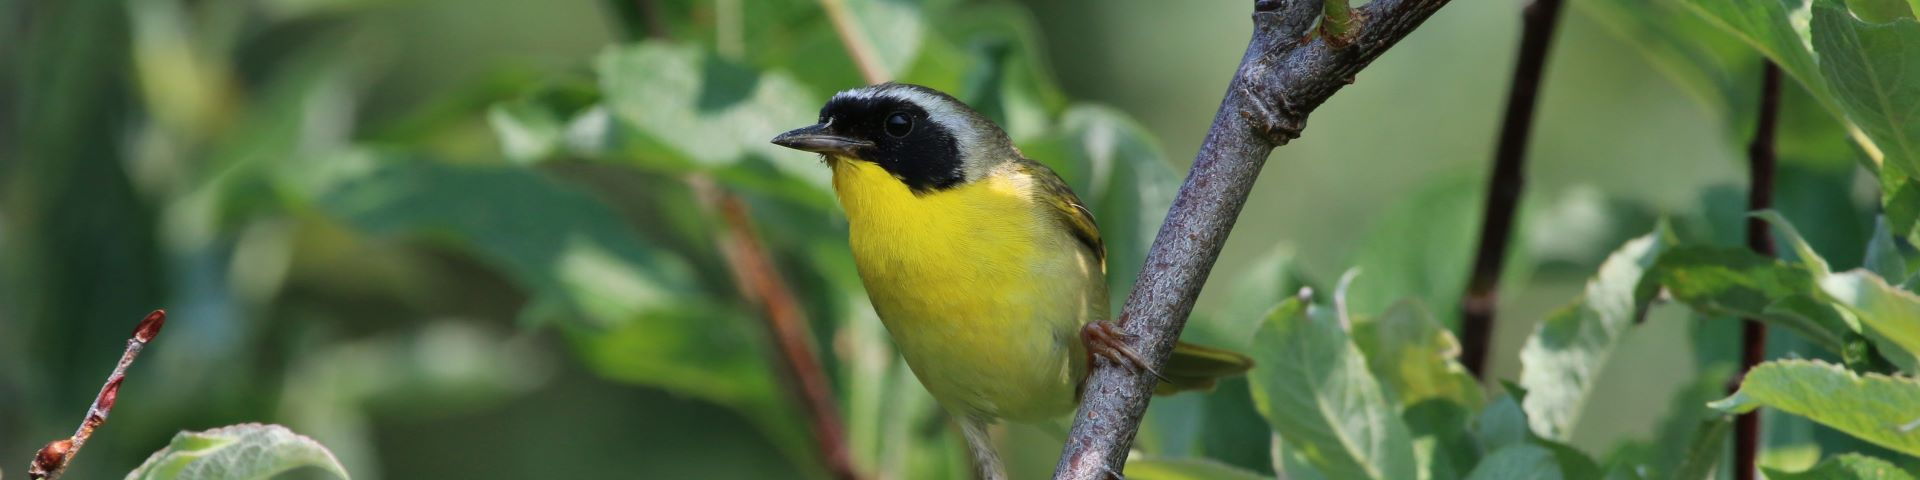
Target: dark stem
(1753, 334)
(53, 459)
(1283, 76)
(1538, 21)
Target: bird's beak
(816, 139)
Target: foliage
(413, 258)
(239, 452)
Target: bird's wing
(1067, 208)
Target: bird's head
(926, 139)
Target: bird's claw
(1105, 340)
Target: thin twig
(759, 281)
(1539, 20)
(1753, 334)
(1282, 77)
(54, 458)
(864, 55)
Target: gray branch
(1282, 78)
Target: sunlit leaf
(687, 110)
(1880, 11)
(1313, 387)
(534, 127)
(1562, 360)
(1415, 357)
(239, 452)
(1890, 315)
(1881, 409)
(1859, 70)
(1846, 466)
(892, 28)
(1872, 69)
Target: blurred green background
(327, 197)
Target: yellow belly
(982, 292)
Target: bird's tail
(1194, 367)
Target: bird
(987, 271)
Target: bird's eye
(899, 124)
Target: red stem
(1753, 334)
(1539, 20)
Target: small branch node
(1339, 23)
(1272, 115)
(53, 459)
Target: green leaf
(892, 28)
(533, 127)
(1883, 256)
(1880, 11)
(1186, 469)
(1809, 259)
(1415, 357)
(1735, 282)
(572, 253)
(1008, 81)
(1564, 356)
(1860, 71)
(1877, 408)
(1902, 202)
(1689, 425)
(239, 452)
(1289, 463)
(1443, 442)
(1710, 64)
(687, 110)
(1891, 315)
(1872, 69)
(1502, 423)
(1846, 466)
(1522, 460)
(1312, 386)
(1703, 453)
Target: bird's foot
(1105, 340)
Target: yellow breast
(982, 291)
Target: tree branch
(1753, 334)
(1282, 77)
(1503, 189)
(53, 459)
